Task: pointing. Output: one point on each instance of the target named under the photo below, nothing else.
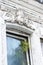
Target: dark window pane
(15, 55)
(41, 40)
(40, 1)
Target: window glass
(41, 45)
(15, 56)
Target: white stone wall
(36, 48)
(3, 50)
(0, 45)
(37, 57)
(34, 15)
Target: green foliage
(24, 45)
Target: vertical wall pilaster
(3, 49)
(36, 48)
(0, 44)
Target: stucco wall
(36, 15)
(36, 48)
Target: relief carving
(19, 17)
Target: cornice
(33, 15)
(33, 3)
(29, 4)
(18, 17)
(14, 14)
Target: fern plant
(24, 45)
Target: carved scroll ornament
(19, 17)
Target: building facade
(21, 19)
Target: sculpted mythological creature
(20, 16)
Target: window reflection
(15, 55)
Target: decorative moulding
(31, 14)
(19, 17)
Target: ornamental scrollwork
(19, 17)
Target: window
(15, 56)
(41, 40)
(40, 1)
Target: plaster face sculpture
(26, 21)
(20, 16)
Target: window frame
(24, 31)
(24, 36)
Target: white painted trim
(13, 36)
(27, 56)
(20, 28)
(30, 49)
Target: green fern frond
(24, 45)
